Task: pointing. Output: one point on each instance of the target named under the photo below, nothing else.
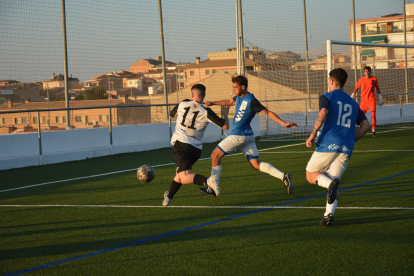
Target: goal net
(290, 83)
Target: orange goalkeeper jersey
(367, 88)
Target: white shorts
(331, 163)
(246, 144)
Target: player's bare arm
(318, 123)
(223, 102)
(225, 112)
(363, 128)
(277, 119)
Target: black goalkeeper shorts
(185, 155)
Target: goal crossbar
(330, 42)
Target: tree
(95, 93)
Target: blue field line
(408, 195)
(191, 228)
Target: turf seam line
(192, 227)
(103, 174)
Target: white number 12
(344, 122)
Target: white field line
(210, 207)
(103, 174)
(304, 139)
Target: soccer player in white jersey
(192, 121)
(242, 136)
(338, 115)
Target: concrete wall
(22, 150)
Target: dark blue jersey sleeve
(361, 116)
(324, 102)
(256, 106)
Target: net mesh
(292, 91)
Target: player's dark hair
(200, 88)
(240, 80)
(368, 68)
(339, 75)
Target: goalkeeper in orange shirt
(368, 101)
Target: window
(103, 118)
(35, 121)
(207, 72)
(85, 119)
(2, 121)
(16, 121)
(43, 120)
(191, 73)
(214, 70)
(20, 121)
(57, 120)
(78, 119)
(24, 121)
(64, 119)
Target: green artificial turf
(364, 241)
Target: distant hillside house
(144, 65)
(59, 81)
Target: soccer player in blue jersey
(337, 117)
(242, 136)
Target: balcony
(181, 79)
(373, 32)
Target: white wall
(22, 150)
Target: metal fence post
(65, 62)
(110, 128)
(39, 135)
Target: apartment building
(386, 29)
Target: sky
(104, 36)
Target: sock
(330, 208)
(374, 119)
(269, 169)
(200, 180)
(175, 186)
(216, 171)
(324, 181)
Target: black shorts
(185, 155)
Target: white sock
(330, 208)
(269, 169)
(324, 181)
(216, 171)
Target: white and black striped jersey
(192, 121)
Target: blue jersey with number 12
(338, 130)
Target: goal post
(281, 83)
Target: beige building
(59, 81)
(388, 29)
(195, 72)
(87, 118)
(219, 87)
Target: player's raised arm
(173, 112)
(230, 102)
(277, 119)
(223, 123)
(318, 123)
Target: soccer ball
(145, 173)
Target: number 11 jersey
(338, 130)
(192, 121)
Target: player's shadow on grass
(371, 218)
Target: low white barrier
(22, 150)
